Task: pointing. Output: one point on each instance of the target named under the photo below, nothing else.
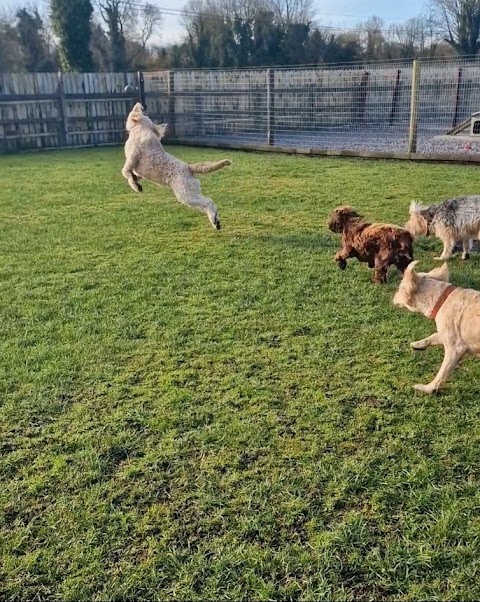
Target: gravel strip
(358, 139)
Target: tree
(71, 23)
(146, 23)
(11, 59)
(115, 13)
(204, 23)
(414, 37)
(293, 11)
(325, 47)
(268, 37)
(243, 33)
(175, 57)
(129, 30)
(373, 39)
(30, 34)
(100, 48)
(296, 43)
(460, 22)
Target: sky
(337, 13)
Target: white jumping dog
(146, 158)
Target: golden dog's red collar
(443, 297)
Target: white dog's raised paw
(425, 389)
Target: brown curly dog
(379, 245)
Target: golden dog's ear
(441, 273)
(410, 278)
(418, 209)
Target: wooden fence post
(413, 134)
(171, 103)
(62, 112)
(270, 107)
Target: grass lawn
(197, 415)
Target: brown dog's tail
(198, 168)
(404, 251)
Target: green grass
(190, 415)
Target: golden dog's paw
(419, 345)
(425, 389)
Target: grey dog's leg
(467, 245)
(448, 246)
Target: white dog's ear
(137, 112)
(161, 129)
(441, 273)
(410, 278)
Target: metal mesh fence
(448, 96)
(357, 108)
(417, 106)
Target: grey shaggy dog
(454, 220)
(146, 158)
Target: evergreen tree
(268, 37)
(71, 23)
(30, 36)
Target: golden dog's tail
(208, 167)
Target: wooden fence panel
(50, 110)
(29, 123)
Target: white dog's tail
(208, 166)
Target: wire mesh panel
(351, 108)
(354, 107)
(448, 96)
(363, 108)
(230, 104)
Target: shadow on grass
(308, 240)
